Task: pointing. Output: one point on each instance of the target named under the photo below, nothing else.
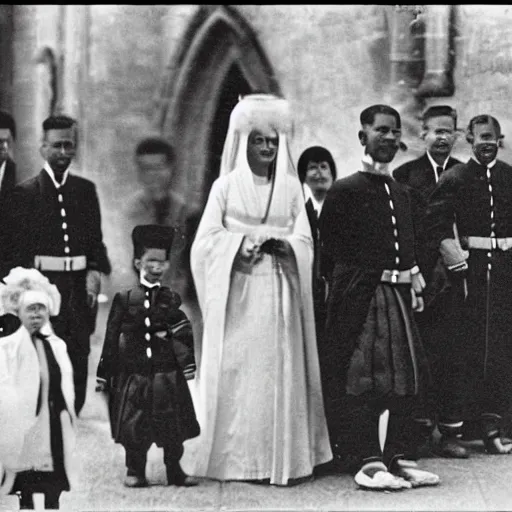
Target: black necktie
(439, 170)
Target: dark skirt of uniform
(388, 357)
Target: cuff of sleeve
(415, 270)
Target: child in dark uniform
(146, 359)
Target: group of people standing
(343, 319)
(405, 273)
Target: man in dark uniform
(375, 357)
(8, 323)
(435, 322)
(477, 196)
(54, 224)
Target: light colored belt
(489, 243)
(60, 263)
(396, 276)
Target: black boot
(176, 476)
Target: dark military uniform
(436, 322)
(150, 401)
(372, 358)
(480, 200)
(58, 231)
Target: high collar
(489, 166)
(373, 167)
(144, 282)
(50, 172)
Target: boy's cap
(152, 236)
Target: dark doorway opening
(233, 86)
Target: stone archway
(219, 51)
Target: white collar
(489, 166)
(2, 171)
(50, 172)
(308, 194)
(373, 167)
(147, 284)
(435, 165)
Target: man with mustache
(477, 197)
(376, 360)
(435, 323)
(53, 223)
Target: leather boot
(450, 448)
(176, 476)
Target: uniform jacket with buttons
(148, 345)
(32, 225)
(33, 222)
(359, 241)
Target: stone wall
(330, 61)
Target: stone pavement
(481, 483)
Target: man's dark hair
(484, 119)
(60, 122)
(155, 146)
(7, 122)
(315, 154)
(368, 114)
(438, 111)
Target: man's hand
(250, 251)
(417, 286)
(453, 255)
(93, 287)
(101, 385)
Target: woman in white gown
(258, 391)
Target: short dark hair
(438, 111)
(7, 122)
(59, 122)
(140, 249)
(315, 154)
(155, 146)
(368, 114)
(484, 119)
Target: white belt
(488, 243)
(396, 276)
(60, 263)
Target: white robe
(258, 391)
(19, 389)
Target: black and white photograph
(255, 258)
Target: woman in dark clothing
(317, 173)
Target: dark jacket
(319, 282)
(419, 174)
(358, 243)
(150, 399)
(8, 180)
(33, 225)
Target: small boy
(147, 358)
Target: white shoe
(382, 479)
(408, 470)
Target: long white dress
(258, 389)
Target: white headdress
(255, 112)
(28, 286)
(262, 112)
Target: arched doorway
(234, 85)
(219, 59)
